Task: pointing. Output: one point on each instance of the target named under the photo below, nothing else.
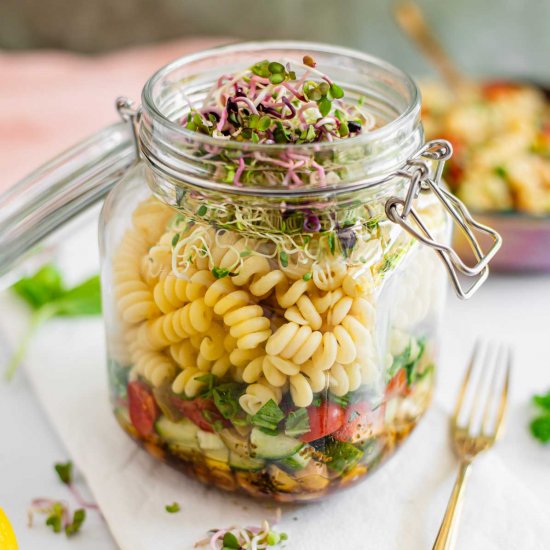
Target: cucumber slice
(182, 433)
(213, 446)
(273, 446)
(298, 461)
(234, 442)
(240, 462)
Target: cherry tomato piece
(323, 420)
(203, 412)
(142, 407)
(360, 423)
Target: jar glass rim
(411, 110)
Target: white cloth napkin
(399, 507)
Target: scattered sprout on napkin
(48, 297)
(58, 514)
(540, 425)
(243, 538)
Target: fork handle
(446, 537)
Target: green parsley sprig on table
(540, 425)
(47, 295)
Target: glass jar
(271, 310)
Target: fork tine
(492, 392)
(504, 396)
(465, 383)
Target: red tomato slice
(142, 407)
(361, 422)
(323, 420)
(398, 385)
(193, 409)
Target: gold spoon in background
(410, 19)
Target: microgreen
(202, 210)
(172, 508)
(48, 297)
(64, 471)
(78, 519)
(239, 538)
(220, 272)
(283, 257)
(307, 276)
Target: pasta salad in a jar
(268, 334)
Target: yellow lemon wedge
(7, 534)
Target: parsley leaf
(543, 401)
(48, 297)
(540, 425)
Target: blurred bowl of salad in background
(500, 132)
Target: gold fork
(474, 431)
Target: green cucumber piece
(184, 432)
(273, 446)
(298, 461)
(212, 446)
(240, 462)
(234, 442)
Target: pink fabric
(50, 100)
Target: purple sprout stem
(239, 172)
(248, 102)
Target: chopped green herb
(209, 379)
(501, 172)
(343, 400)
(172, 508)
(331, 242)
(307, 276)
(297, 422)
(268, 416)
(341, 456)
(202, 210)
(226, 399)
(175, 239)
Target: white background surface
(515, 310)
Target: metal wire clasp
(129, 114)
(424, 171)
